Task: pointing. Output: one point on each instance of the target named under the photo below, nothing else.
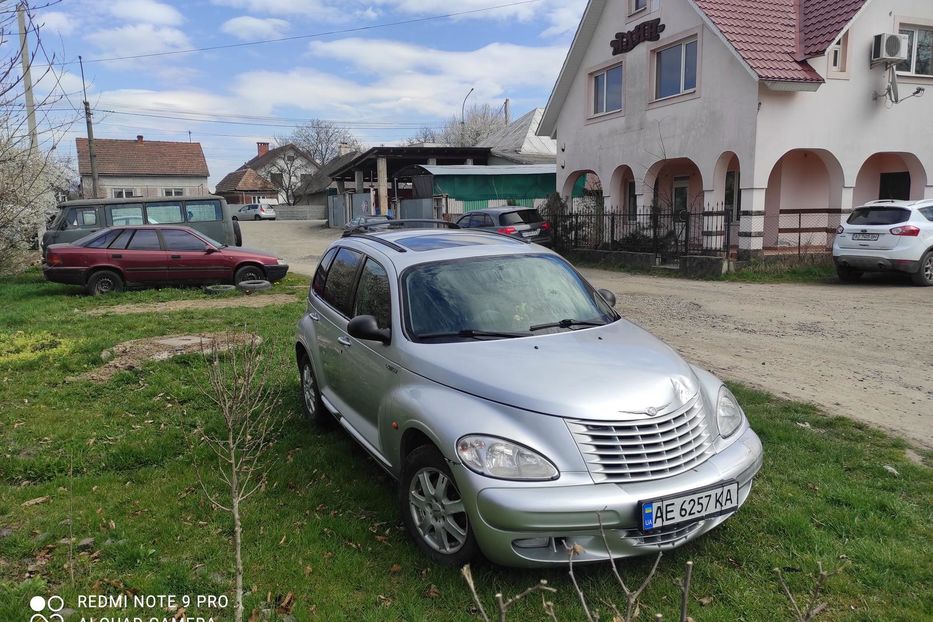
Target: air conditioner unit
(889, 48)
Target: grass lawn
(113, 462)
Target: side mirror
(608, 296)
(210, 250)
(365, 327)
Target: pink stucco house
(761, 108)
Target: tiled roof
(823, 20)
(244, 180)
(143, 158)
(260, 161)
(321, 180)
(775, 37)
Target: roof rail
(373, 238)
(504, 235)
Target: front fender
(444, 415)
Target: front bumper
(68, 276)
(551, 518)
(276, 273)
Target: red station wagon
(107, 261)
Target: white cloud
(146, 11)
(562, 16)
(248, 28)
(55, 21)
(330, 10)
(136, 39)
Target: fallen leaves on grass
(35, 501)
(432, 592)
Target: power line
(328, 33)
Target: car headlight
(496, 457)
(282, 262)
(729, 414)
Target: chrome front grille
(663, 536)
(647, 448)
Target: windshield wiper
(565, 324)
(469, 333)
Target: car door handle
(176, 257)
(116, 256)
(345, 341)
(314, 316)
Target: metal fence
(667, 233)
(804, 231)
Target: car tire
(235, 219)
(311, 404)
(104, 282)
(433, 510)
(924, 276)
(256, 218)
(248, 273)
(249, 287)
(237, 234)
(848, 275)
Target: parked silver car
(513, 405)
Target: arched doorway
(890, 175)
(803, 202)
(583, 191)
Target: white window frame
(633, 7)
(915, 28)
(173, 192)
(593, 113)
(839, 56)
(682, 43)
(121, 193)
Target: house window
(637, 5)
(123, 193)
(277, 179)
(676, 69)
(607, 90)
(919, 51)
(173, 192)
(838, 54)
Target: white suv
(887, 235)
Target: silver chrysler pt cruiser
(520, 414)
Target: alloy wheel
(105, 285)
(437, 510)
(309, 389)
(928, 269)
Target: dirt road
(864, 351)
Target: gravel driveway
(864, 351)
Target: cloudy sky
(382, 81)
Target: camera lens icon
(39, 603)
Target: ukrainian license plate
(690, 506)
(866, 237)
(529, 234)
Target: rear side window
(320, 276)
(145, 240)
(81, 218)
(126, 215)
(525, 216)
(338, 289)
(105, 240)
(203, 211)
(372, 294)
(927, 212)
(120, 242)
(464, 221)
(176, 240)
(163, 213)
(878, 216)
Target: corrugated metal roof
(519, 137)
(520, 169)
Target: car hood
(610, 373)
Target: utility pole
(27, 75)
(90, 133)
(508, 111)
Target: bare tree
(30, 173)
(288, 171)
(247, 426)
(424, 135)
(322, 139)
(479, 122)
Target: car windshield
(878, 216)
(499, 297)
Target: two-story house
(764, 108)
(142, 168)
(272, 175)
